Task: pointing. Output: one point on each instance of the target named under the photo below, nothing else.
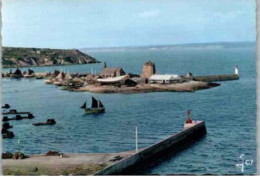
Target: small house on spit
(113, 72)
(165, 79)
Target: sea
(229, 110)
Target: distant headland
(29, 57)
(208, 45)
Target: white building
(165, 79)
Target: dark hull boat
(8, 134)
(6, 106)
(39, 77)
(14, 111)
(96, 107)
(49, 122)
(6, 125)
(18, 117)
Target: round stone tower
(148, 69)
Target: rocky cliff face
(22, 57)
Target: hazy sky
(107, 23)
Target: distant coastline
(38, 57)
(35, 57)
(174, 46)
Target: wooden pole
(136, 139)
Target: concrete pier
(214, 78)
(192, 131)
(105, 163)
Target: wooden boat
(96, 107)
(49, 122)
(6, 106)
(29, 75)
(14, 111)
(6, 125)
(57, 83)
(18, 117)
(48, 81)
(8, 134)
(39, 77)
(4, 130)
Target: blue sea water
(228, 110)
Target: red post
(188, 121)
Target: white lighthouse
(236, 70)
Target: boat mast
(136, 139)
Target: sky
(120, 23)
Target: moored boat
(6, 106)
(96, 107)
(9, 134)
(29, 76)
(48, 81)
(6, 125)
(14, 111)
(39, 77)
(49, 122)
(57, 83)
(18, 117)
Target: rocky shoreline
(190, 86)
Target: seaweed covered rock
(18, 155)
(7, 155)
(52, 153)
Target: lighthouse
(236, 70)
(189, 123)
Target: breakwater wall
(214, 78)
(173, 143)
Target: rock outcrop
(27, 57)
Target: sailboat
(96, 107)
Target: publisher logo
(244, 162)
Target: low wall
(215, 78)
(173, 143)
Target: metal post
(136, 140)
(18, 146)
(243, 163)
